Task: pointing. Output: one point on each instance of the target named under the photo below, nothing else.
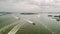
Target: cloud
(26, 5)
(17, 5)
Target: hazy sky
(29, 5)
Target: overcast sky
(29, 5)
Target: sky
(30, 5)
